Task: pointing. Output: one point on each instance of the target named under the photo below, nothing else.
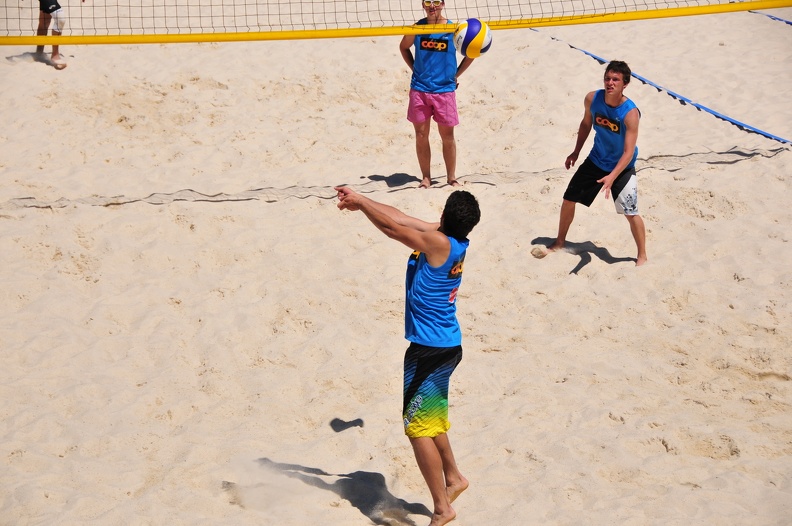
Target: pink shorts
(441, 106)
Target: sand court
(194, 333)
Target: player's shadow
(585, 251)
(365, 490)
(339, 425)
(394, 180)
(30, 56)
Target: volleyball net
(167, 21)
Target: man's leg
(430, 463)
(639, 234)
(455, 482)
(59, 17)
(564, 222)
(56, 58)
(424, 151)
(449, 152)
(43, 27)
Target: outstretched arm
(410, 231)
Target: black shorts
(583, 188)
(49, 6)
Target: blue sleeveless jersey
(430, 312)
(435, 65)
(609, 132)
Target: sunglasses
(432, 3)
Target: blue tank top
(609, 132)
(430, 311)
(435, 65)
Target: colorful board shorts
(427, 371)
(441, 106)
(583, 188)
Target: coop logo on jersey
(457, 268)
(609, 124)
(434, 44)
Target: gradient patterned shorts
(427, 372)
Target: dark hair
(460, 215)
(617, 66)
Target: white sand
(185, 311)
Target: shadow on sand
(339, 425)
(365, 490)
(585, 251)
(30, 56)
(394, 180)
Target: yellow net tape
(174, 21)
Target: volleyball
(472, 38)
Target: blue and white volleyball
(472, 38)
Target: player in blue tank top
(610, 147)
(435, 62)
(434, 273)
(435, 77)
(430, 313)
(610, 166)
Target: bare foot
(439, 519)
(454, 182)
(555, 247)
(539, 252)
(425, 183)
(455, 490)
(58, 62)
(640, 261)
